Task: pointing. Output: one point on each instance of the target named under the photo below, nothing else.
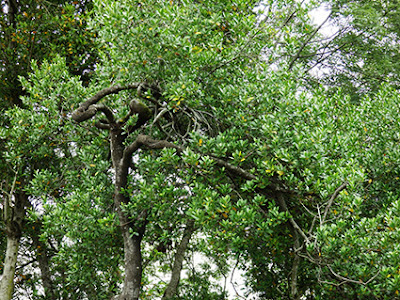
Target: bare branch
(283, 206)
(333, 197)
(232, 275)
(348, 280)
(307, 41)
(159, 115)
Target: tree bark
(132, 230)
(294, 292)
(13, 216)
(172, 287)
(43, 260)
(133, 266)
(7, 281)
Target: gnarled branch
(87, 109)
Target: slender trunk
(132, 230)
(13, 216)
(43, 260)
(172, 287)
(294, 293)
(7, 281)
(294, 230)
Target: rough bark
(133, 266)
(132, 230)
(172, 287)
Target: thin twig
(307, 41)
(232, 274)
(333, 197)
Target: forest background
(137, 135)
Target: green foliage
(364, 52)
(40, 31)
(247, 136)
(56, 156)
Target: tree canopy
(201, 143)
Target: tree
(58, 219)
(31, 30)
(362, 52)
(217, 147)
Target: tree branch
(102, 125)
(348, 280)
(333, 197)
(171, 289)
(306, 42)
(85, 111)
(145, 140)
(283, 206)
(160, 144)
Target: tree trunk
(133, 267)
(294, 230)
(13, 216)
(43, 260)
(172, 287)
(7, 281)
(132, 236)
(132, 230)
(294, 292)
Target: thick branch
(80, 116)
(160, 144)
(108, 113)
(108, 91)
(102, 125)
(85, 111)
(132, 148)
